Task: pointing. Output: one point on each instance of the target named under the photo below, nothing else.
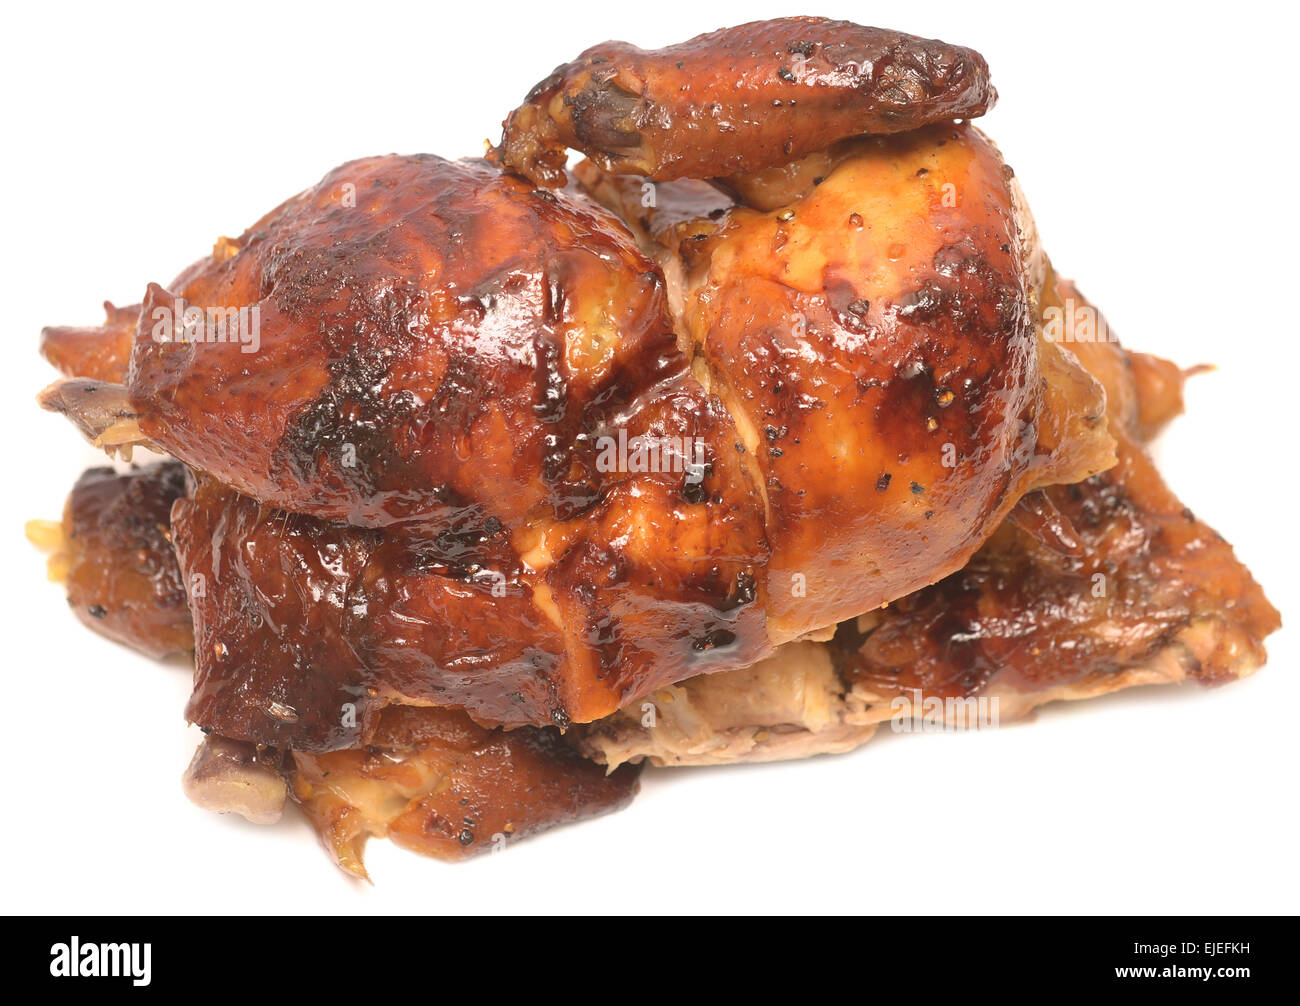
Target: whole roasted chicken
(768, 412)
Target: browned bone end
(101, 410)
(233, 777)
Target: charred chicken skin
(756, 412)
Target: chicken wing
(740, 99)
(113, 553)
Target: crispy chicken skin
(740, 99)
(113, 552)
(1150, 595)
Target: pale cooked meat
(233, 777)
(791, 705)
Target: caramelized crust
(115, 557)
(306, 629)
(1151, 583)
(479, 461)
(452, 341)
(877, 341)
(739, 99)
(434, 782)
(424, 432)
(1148, 595)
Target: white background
(1157, 149)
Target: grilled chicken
(712, 451)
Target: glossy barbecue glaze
(306, 628)
(303, 621)
(448, 344)
(740, 99)
(447, 355)
(1148, 596)
(877, 341)
(98, 352)
(1154, 594)
(402, 524)
(433, 782)
(115, 557)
